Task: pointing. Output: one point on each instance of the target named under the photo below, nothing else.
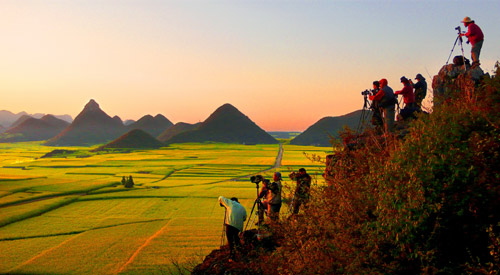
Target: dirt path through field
(146, 243)
(279, 157)
(43, 253)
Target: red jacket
(407, 93)
(378, 96)
(475, 34)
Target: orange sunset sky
(285, 64)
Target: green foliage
(129, 183)
(426, 203)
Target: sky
(284, 64)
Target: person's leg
(475, 52)
(230, 239)
(390, 112)
(296, 205)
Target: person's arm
(225, 202)
(469, 32)
(263, 191)
(378, 96)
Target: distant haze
(285, 64)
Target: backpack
(388, 99)
(459, 60)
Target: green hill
(135, 139)
(319, 133)
(227, 125)
(178, 128)
(152, 125)
(91, 126)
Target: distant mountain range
(227, 125)
(7, 118)
(27, 128)
(284, 135)
(318, 133)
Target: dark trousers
(273, 211)
(232, 238)
(298, 201)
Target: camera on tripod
(256, 179)
(366, 92)
(459, 29)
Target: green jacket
(236, 213)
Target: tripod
(365, 114)
(222, 241)
(459, 38)
(257, 202)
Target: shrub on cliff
(426, 203)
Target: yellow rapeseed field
(70, 214)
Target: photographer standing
(420, 91)
(271, 198)
(476, 38)
(387, 101)
(274, 198)
(377, 119)
(408, 97)
(235, 217)
(303, 189)
(264, 204)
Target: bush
(426, 203)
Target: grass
(70, 215)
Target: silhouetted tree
(130, 182)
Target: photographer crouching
(235, 217)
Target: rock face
(152, 125)
(91, 126)
(134, 139)
(178, 128)
(227, 125)
(318, 133)
(32, 129)
(455, 77)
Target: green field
(69, 214)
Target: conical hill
(318, 133)
(227, 125)
(91, 126)
(134, 139)
(152, 125)
(178, 128)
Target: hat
(419, 76)
(404, 79)
(467, 20)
